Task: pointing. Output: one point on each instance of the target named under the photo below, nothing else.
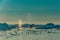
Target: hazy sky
(34, 11)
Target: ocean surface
(36, 34)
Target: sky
(30, 11)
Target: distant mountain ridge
(5, 26)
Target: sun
(20, 24)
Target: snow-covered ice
(30, 35)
